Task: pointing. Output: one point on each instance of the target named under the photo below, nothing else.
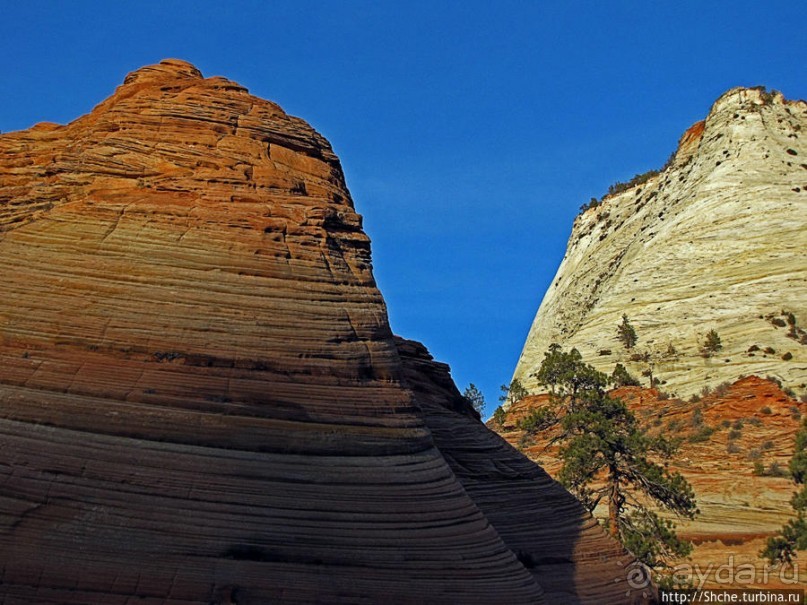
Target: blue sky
(470, 132)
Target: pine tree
(622, 378)
(513, 393)
(712, 343)
(474, 396)
(626, 334)
(606, 456)
(793, 537)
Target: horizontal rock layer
(716, 241)
(200, 397)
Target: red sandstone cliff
(724, 435)
(201, 400)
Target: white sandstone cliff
(717, 240)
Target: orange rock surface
(201, 400)
(750, 421)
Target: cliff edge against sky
(201, 400)
(717, 240)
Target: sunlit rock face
(732, 441)
(201, 400)
(716, 241)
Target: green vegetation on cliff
(607, 458)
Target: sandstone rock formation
(201, 400)
(725, 435)
(550, 531)
(716, 241)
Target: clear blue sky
(470, 131)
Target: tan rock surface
(717, 240)
(200, 397)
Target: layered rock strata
(716, 241)
(200, 397)
(552, 534)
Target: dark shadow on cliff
(549, 531)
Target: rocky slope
(725, 435)
(715, 241)
(550, 532)
(201, 400)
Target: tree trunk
(615, 501)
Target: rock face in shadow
(553, 536)
(201, 400)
